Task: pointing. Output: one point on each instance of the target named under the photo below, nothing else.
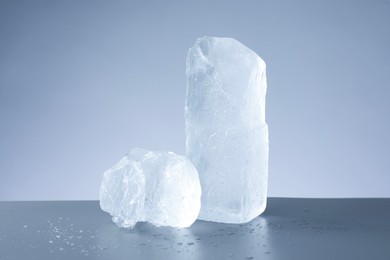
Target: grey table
(289, 229)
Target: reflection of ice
(288, 229)
(232, 241)
(198, 242)
(149, 242)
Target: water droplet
(25, 226)
(190, 244)
(51, 241)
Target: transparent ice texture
(226, 132)
(148, 186)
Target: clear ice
(226, 132)
(147, 186)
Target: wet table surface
(289, 229)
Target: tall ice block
(226, 132)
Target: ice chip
(226, 132)
(161, 188)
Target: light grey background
(82, 82)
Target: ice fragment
(158, 187)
